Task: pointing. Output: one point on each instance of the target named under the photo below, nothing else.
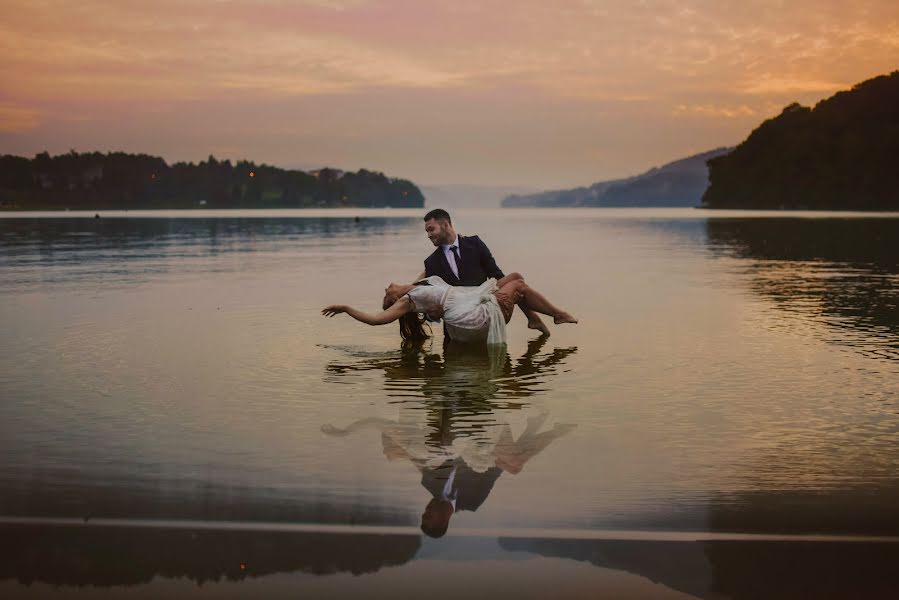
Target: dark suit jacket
(470, 487)
(477, 263)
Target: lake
(178, 418)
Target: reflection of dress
(411, 437)
(470, 314)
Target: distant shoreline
(120, 181)
(416, 213)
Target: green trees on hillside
(840, 155)
(92, 181)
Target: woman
(470, 314)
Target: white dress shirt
(447, 493)
(449, 255)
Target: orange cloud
(767, 85)
(711, 110)
(18, 119)
(345, 73)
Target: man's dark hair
(435, 531)
(438, 214)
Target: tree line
(117, 180)
(839, 155)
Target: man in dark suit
(464, 260)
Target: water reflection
(107, 556)
(464, 442)
(842, 273)
(25, 235)
(70, 556)
(858, 508)
(41, 251)
(468, 383)
(740, 569)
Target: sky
(539, 94)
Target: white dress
(470, 314)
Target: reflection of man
(454, 486)
(464, 260)
(459, 474)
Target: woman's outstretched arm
(400, 307)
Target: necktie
(455, 252)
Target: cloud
(18, 119)
(768, 85)
(191, 64)
(711, 110)
(196, 48)
(338, 76)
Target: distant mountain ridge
(678, 183)
(839, 155)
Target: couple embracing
(462, 285)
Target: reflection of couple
(462, 285)
(458, 444)
(456, 486)
(459, 474)
(468, 380)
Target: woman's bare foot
(539, 326)
(564, 317)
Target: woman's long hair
(412, 327)
(411, 324)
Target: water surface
(168, 375)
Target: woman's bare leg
(534, 321)
(537, 301)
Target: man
(464, 260)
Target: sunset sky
(496, 92)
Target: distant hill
(839, 155)
(463, 195)
(679, 183)
(92, 181)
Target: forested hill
(840, 155)
(678, 183)
(91, 181)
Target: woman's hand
(334, 309)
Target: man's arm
(488, 263)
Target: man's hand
(334, 309)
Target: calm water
(176, 411)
